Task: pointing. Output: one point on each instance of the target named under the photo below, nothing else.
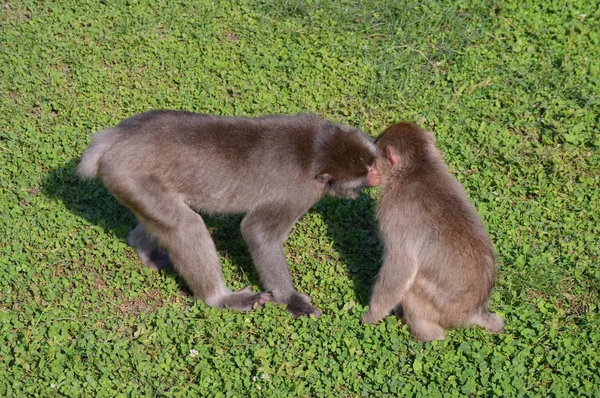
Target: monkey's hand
(246, 299)
(299, 305)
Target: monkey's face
(347, 163)
(350, 188)
(359, 172)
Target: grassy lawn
(511, 90)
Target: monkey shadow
(352, 226)
(90, 200)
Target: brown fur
(165, 165)
(439, 263)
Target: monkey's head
(404, 146)
(346, 162)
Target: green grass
(510, 89)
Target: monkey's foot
(147, 249)
(490, 322)
(158, 259)
(245, 299)
(425, 330)
(299, 305)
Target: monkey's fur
(438, 259)
(166, 165)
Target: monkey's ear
(392, 158)
(324, 178)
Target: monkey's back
(196, 152)
(427, 216)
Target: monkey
(169, 166)
(439, 264)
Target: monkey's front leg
(264, 230)
(395, 279)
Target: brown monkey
(439, 262)
(166, 165)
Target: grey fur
(166, 165)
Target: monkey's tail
(90, 161)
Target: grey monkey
(167, 165)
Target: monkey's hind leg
(180, 230)
(485, 319)
(195, 258)
(426, 330)
(147, 249)
(422, 318)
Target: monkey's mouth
(347, 190)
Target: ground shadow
(350, 225)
